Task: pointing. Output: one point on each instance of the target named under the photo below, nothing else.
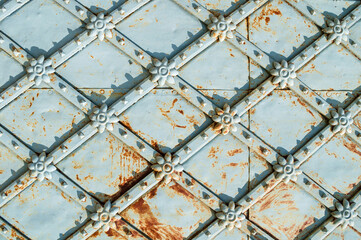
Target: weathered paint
(105, 166)
(221, 6)
(336, 166)
(171, 120)
(42, 119)
(178, 215)
(347, 67)
(47, 16)
(39, 206)
(122, 232)
(298, 124)
(278, 18)
(155, 21)
(226, 161)
(102, 61)
(288, 213)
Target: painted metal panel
(180, 119)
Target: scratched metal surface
(160, 119)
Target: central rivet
(168, 168)
(222, 26)
(99, 24)
(284, 73)
(163, 71)
(38, 69)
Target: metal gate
(180, 119)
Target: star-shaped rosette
(283, 73)
(221, 27)
(39, 70)
(41, 166)
(104, 217)
(230, 216)
(100, 26)
(102, 118)
(341, 121)
(163, 71)
(287, 169)
(167, 167)
(337, 30)
(345, 213)
(226, 119)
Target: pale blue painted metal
(157, 161)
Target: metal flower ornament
(167, 167)
(100, 26)
(221, 27)
(163, 71)
(337, 30)
(41, 166)
(104, 217)
(230, 216)
(39, 70)
(286, 169)
(345, 213)
(341, 121)
(226, 119)
(102, 118)
(283, 73)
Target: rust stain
(224, 175)
(95, 235)
(165, 114)
(352, 147)
(279, 196)
(192, 120)
(213, 151)
(263, 16)
(279, 199)
(233, 152)
(235, 164)
(121, 225)
(351, 186)
(21, 187)
(174, 101)
(179, 189)
(127, 124)
(66, 197)
(305, 106)
(112, 233)
(151, 225)
(331, 153)
(152, 193)
(76, 165)
(155, 144)
(267, 19)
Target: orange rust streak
(352, 147)
(150, 224)
(266, 11)
(234, 152)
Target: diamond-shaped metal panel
(180, 119)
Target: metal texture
(180, 119)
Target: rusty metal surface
(141, 119)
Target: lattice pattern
(58, 193)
